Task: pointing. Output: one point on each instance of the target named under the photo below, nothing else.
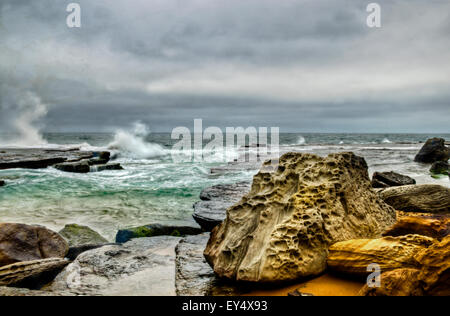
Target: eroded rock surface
(141, 267)
(427, 198)
(437, 226)
(283, 228)
(432, 278)
(212, 209)
(390, 253)
(19, 242)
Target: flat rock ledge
(141, 267)
(215, 200)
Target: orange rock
(400, 282)
(437, 226)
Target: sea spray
(28, 110)
(132, 143)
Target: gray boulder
(433, 150)
(194, 276)
(440, 167)
(77, 235)
(212, 209)
(390, 179)
(74, 167)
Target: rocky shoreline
(314, 217)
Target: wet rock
(433, 150)
(74, 167)
(440, 167)
(399, 282)
(390, 179)
(437, 226)
(19, 242)
(2, 183)
(427, 198)
(390, 253)
(77, 235)
(194, 276)
(283, 228)
(31, 274)
(153, 230)
(40, 158)
(111, 166)
(212, 209)
(141, 267)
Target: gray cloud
(302, 65)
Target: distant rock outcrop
(390, 179)
(283, 228)
(433, 150)
(19, 242)
(153, 230)
(427, 198)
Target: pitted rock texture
(427, 198)
(390, 253)
(283, 228)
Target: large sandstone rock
(215, 200)
(19, 242)
(194, 277)
(153, 230)
(283, 228)
(427, 198)
(141, 267)
(390, 179)
(31, 274)
(431, 278)
(78, 235)
(437, 226)
(390, 253)
(433, 150)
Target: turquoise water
(154, 189)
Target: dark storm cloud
(299, 64)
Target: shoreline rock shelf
(283, 228)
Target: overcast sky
(302, 65)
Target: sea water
(154, 189)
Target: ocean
(154, 189)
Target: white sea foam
(132, 143)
